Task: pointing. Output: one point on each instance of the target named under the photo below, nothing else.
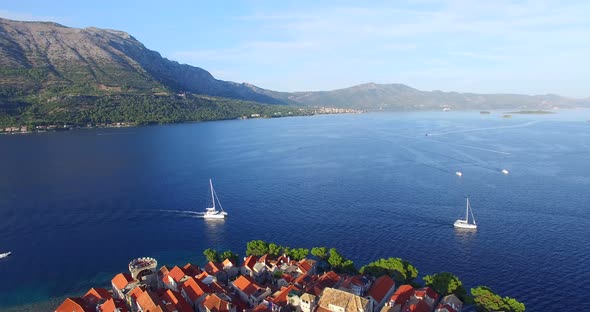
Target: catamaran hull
(461, 224)
(216, 216)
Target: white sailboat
(464, 224)
(212, 212)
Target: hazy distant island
(55, 76)
(531, 112)
(276, 278)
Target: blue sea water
(77, 206)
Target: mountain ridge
(106, 57)
(45, 64)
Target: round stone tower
(143, 269)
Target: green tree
(274, 249)
(228, 254)
(211, 255)
(256, 248)
(339, 263)
(348, 267)
(298, 253)
(446, 283)
(401, 270)
(335, 259)
(486, 300)
(278, 274)
(514, 304)
(320, 252)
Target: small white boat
(464, 224)
(459, 173)
(5, 254)
(504, 171)
(212, 212)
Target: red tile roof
(136, 291)
(114, 305)
(402, 294)
(213, 268)
(420, 306)
(353, 280)
(264, 259)
(166, 280)
(304, 279)
(301, 279)
(194, 288)
(164, 270)
(121, 280)
(305, 266)
(149, 302)
(315, 290)
(74, 305)
(176, 299)
(177, 273)
(95, 295)
(216, 288)
(380, 288)
(281, 297)
(426, 291)
(215, 304)
(329, 279)
(282, 259)
(246, 285)
(261, 308)
(250, 262)
(288, 278)
(191, 269)
(202, 276)
(227, 262)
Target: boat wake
(416, 138)
(189, 212)
(526, 124)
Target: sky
(525, 47)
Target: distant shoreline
(531, 112)
(23, 129)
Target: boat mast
(220, 206)
(467, 211)
(472, 217)
(212, 197)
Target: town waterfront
(76, 206)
